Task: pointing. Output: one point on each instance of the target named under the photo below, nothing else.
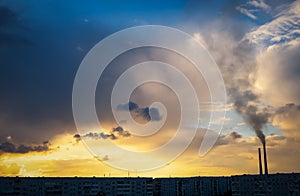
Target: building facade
(266, 185)
(241, 185)
(76, 186)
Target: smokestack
(259, 162)
(265, 159)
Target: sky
(255, 43)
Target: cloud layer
(8, 147)
(114, 134)
(147, 114)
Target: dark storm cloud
(127, 106)
(8, 147)
(235, 135)
(115, 133)
(93, 135)
(231, 136)
(120, 131)
(228, 139)
(148, 114)
(77, 137)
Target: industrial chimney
(265, 158)
(259, 162)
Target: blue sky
(47, 40)
(50, 38)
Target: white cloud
(278, 46)
(246, 12)
(199, 38)
(260, 4)
(78, 48)
(252, 6)
(285, 27)
(278, 73)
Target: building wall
(204, 186)
(266, 185)
(242, 185)
(76, 186)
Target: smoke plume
(245, 104)
(239, 73)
